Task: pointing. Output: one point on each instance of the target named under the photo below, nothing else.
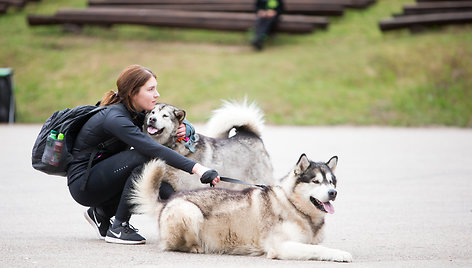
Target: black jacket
(117, 121)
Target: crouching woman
(104, 181)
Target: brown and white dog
(284, 221)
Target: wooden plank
(425, 20)
(437, 7)
(419, 1)
(345, 3)
(322, 9)
(180, 19)
(209, 25)
(182, 14)
(15, 3)
(35, 20)
(358, 4)
(303, 9)
(3, 8)
(455, 3)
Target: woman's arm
(120, 126)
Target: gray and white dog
(240, 156)
(284, 221)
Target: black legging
(264, 26)
(109, 185)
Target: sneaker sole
(87, 217)
(125, 242)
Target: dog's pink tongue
(328, 207)
(151, 130)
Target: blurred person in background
(268, 13)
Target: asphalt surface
(404, 200)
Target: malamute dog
(283, 221)
(240, 156)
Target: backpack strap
(95, 151)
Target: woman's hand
(210, 176)
(271, 13)
(181, 130)
(266, 13)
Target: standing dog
(240, 156)
(283, 221)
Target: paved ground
(404, 201)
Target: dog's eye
(315, 181)
(164, 116)
(153, 112)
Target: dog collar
(182, 139)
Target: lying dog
(283, 221)
(240, 156)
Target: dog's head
(162, 122)
(314, 182)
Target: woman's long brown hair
(128, 83)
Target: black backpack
(68, 122)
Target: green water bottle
(49, 147)
(57, 151)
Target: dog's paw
(338, 256)
(195, 249)
(272, 254)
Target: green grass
(351, 73)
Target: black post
(7, 98)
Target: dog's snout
(332, 194)
(152, 119)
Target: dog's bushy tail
(236, 114)
(145, 193)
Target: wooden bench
(357, 4)
(15, 3)
(344, 3)
(19, 4)
(290, 8)
(425, 20)
(419, 1)
(437, 7)
(3, 8)
(173, 18)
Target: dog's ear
(332, 163)
(302, 164)
(180, 115)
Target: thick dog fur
(242, 155)
(284, 221)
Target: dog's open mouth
(323, 206)
(154, 131)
